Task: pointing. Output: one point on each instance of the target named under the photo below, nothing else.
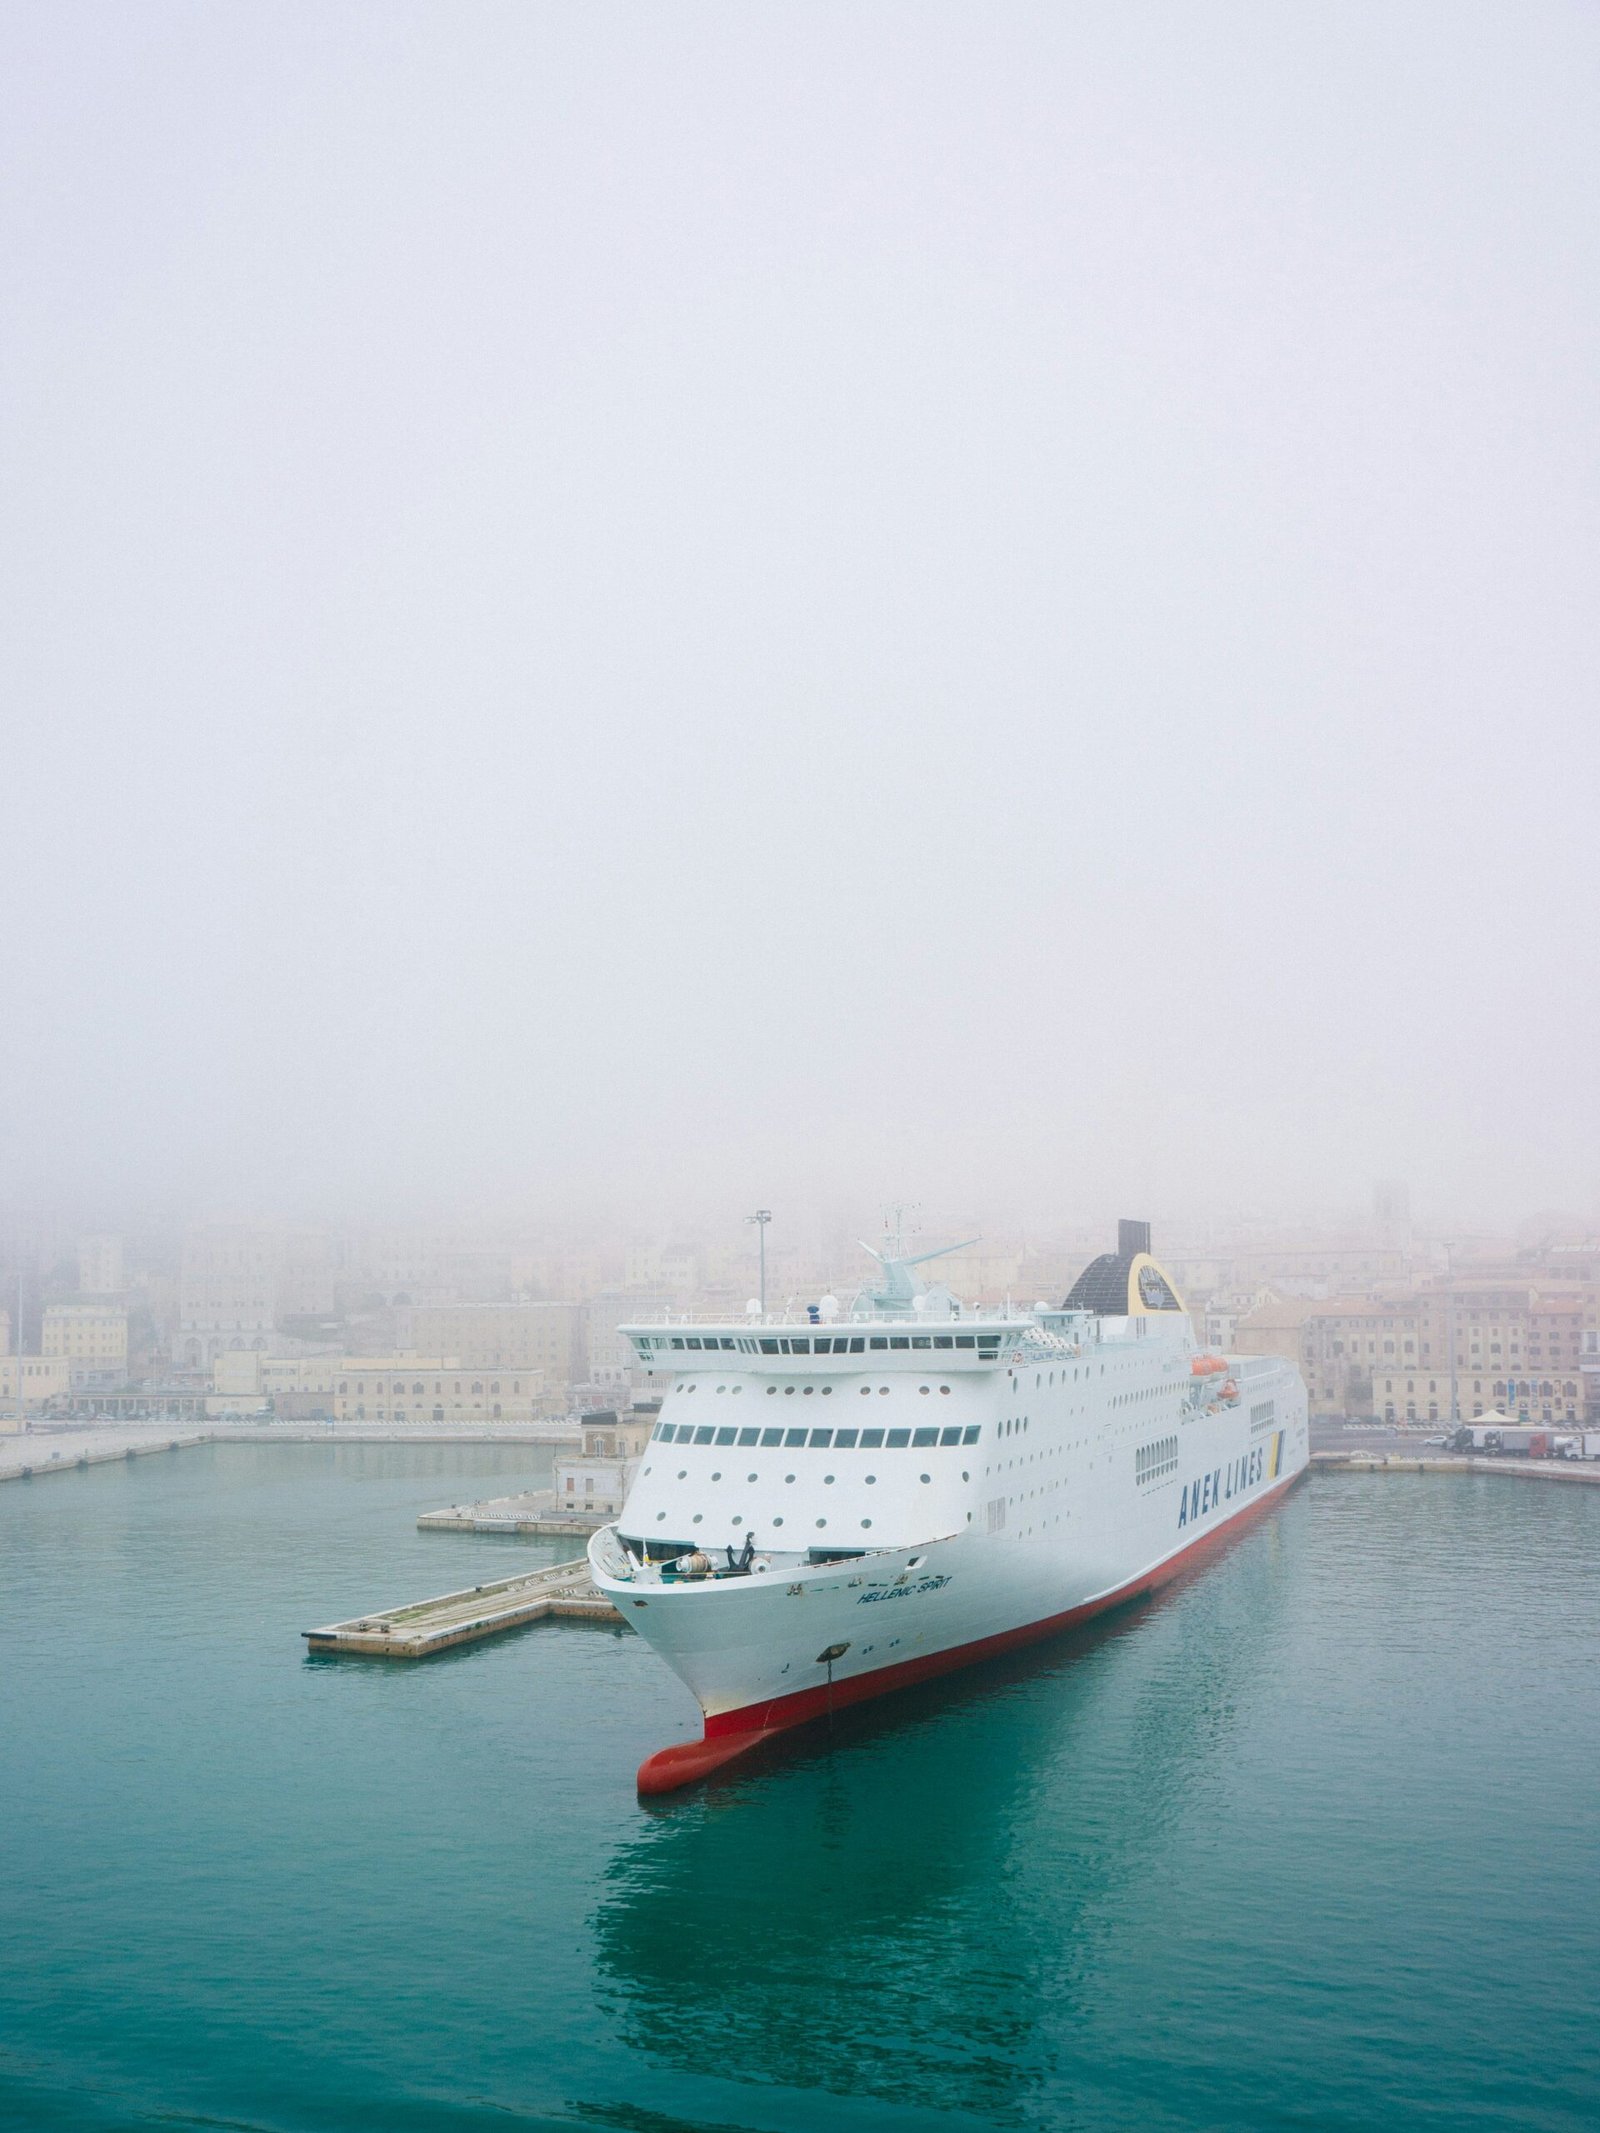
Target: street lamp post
(761, 1217)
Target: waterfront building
(92, 1339)
(548, 1337)
(1589, 1368)
(598, 1477)
(45, 1380)
(409, 1389)
(1417, 1396)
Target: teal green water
(1309, 1842)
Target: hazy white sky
(653, 606)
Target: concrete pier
(31, 1455)
(1329, 1462)
(535, 1511)
(423, 1627)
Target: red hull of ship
(732, 1734)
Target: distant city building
(1509, 1345)
(92, 1339)
(100, 1266)
(672, 1268)
(227, 1293)
(406, 1266)
(1391, 1212)
(613, 1362)
(527, 1336)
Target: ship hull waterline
(730, 1736)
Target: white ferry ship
(832, 1508)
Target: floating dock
(417, 1631)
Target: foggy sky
(646, 607)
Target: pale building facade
(412, 1390)
(1416, 1396)
(45, 1381)
(597, 1478)
(227, 1293)
(92, 1339)
(547, 1337)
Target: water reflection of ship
(891, 1918)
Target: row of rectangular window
(839, 1440)
(987, 1344)
(1151, 1461)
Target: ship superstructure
(837, 1505)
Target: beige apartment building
(45, 1379)
(1391, 1356)
(547, 1337)
(92, 1339)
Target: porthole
(647, 1470)
(722, 1388)
(965, 1475)
(788, 1477)
(771, 1389)
(738, 1521)
(778, 1521)
(944, 1388)
(922, 1388)
(883, 1388)
(826, 1390)
(927, 1477)
(788, 1388)
(867, 1521)
(822, 1521)
(750, 1477)
(698, 1516)
(866, 1391)
(716, 1477)
(871, 1478)
(827, 1481)
(808, 1390)
(660, 1515)
(683, 1473)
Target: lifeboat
(1205, 1366)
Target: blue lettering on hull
(1201, 1497)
